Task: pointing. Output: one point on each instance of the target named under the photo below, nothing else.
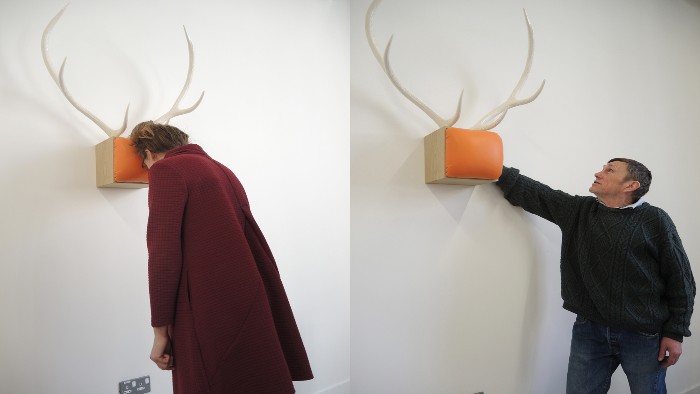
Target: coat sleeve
(167, 197)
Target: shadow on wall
(454, 199)
(52, 165)
(383, 109)
(476, 208)
(46, 182)
(533, 307)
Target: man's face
(611, 180)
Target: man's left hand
(674, 349)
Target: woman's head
(156, 138)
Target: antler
(495, 116)
(386, 66)
(58, 78)
(174, 111)
(61, 84)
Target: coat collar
(191, 149)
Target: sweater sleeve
(680, 284)
(167, 196)
(535, 197)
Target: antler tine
(368, 32)
(386, 66)
(110, 132)
(497, 114)
(45, 43)
(174, 111)
(58, 78)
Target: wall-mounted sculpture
(452, 155)
(117, 163)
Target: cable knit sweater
(625, 268)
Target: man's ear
(633, 186)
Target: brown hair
(638, 172)
(156, 137)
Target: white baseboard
(344, 388)
(695, 390)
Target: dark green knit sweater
(625, 268)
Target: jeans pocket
(580, 320)
(647, 335)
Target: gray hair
(638, 172)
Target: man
(624, 273)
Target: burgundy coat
(213, 280)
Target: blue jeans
(596, 352)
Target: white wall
(454, 290)
(73, 289)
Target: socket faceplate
(136, 386)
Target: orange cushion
(127, 163)
(473, 154)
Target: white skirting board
(695, 390)
(341, 388)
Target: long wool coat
(214, 281)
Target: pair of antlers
(491, 119)
(58, 78)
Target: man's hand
(674, 349)
(160, 350)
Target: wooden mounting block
(118, 165)
(463, 157)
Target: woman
(216, 294)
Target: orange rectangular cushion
(127, 163)
(473, 154)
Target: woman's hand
(160, 353)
